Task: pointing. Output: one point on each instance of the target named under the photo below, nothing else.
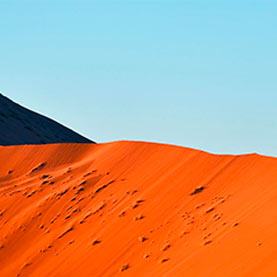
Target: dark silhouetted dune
(19, 125)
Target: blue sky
(194, 73)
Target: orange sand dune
(136, 209)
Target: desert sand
(136, 209)
(19, 126)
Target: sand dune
(136, 209)
(19, 125)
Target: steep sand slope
(19, 125)
(136, 209)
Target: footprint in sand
(142, 239)
(96, 241)
(124, 267)
(139, 217)
(163, 260)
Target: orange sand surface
(136, 209)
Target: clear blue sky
(194, 73)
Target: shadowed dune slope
(136, 209)
(19, 125)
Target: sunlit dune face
(135, 209)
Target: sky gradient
(193, 73)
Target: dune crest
(135, 209)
